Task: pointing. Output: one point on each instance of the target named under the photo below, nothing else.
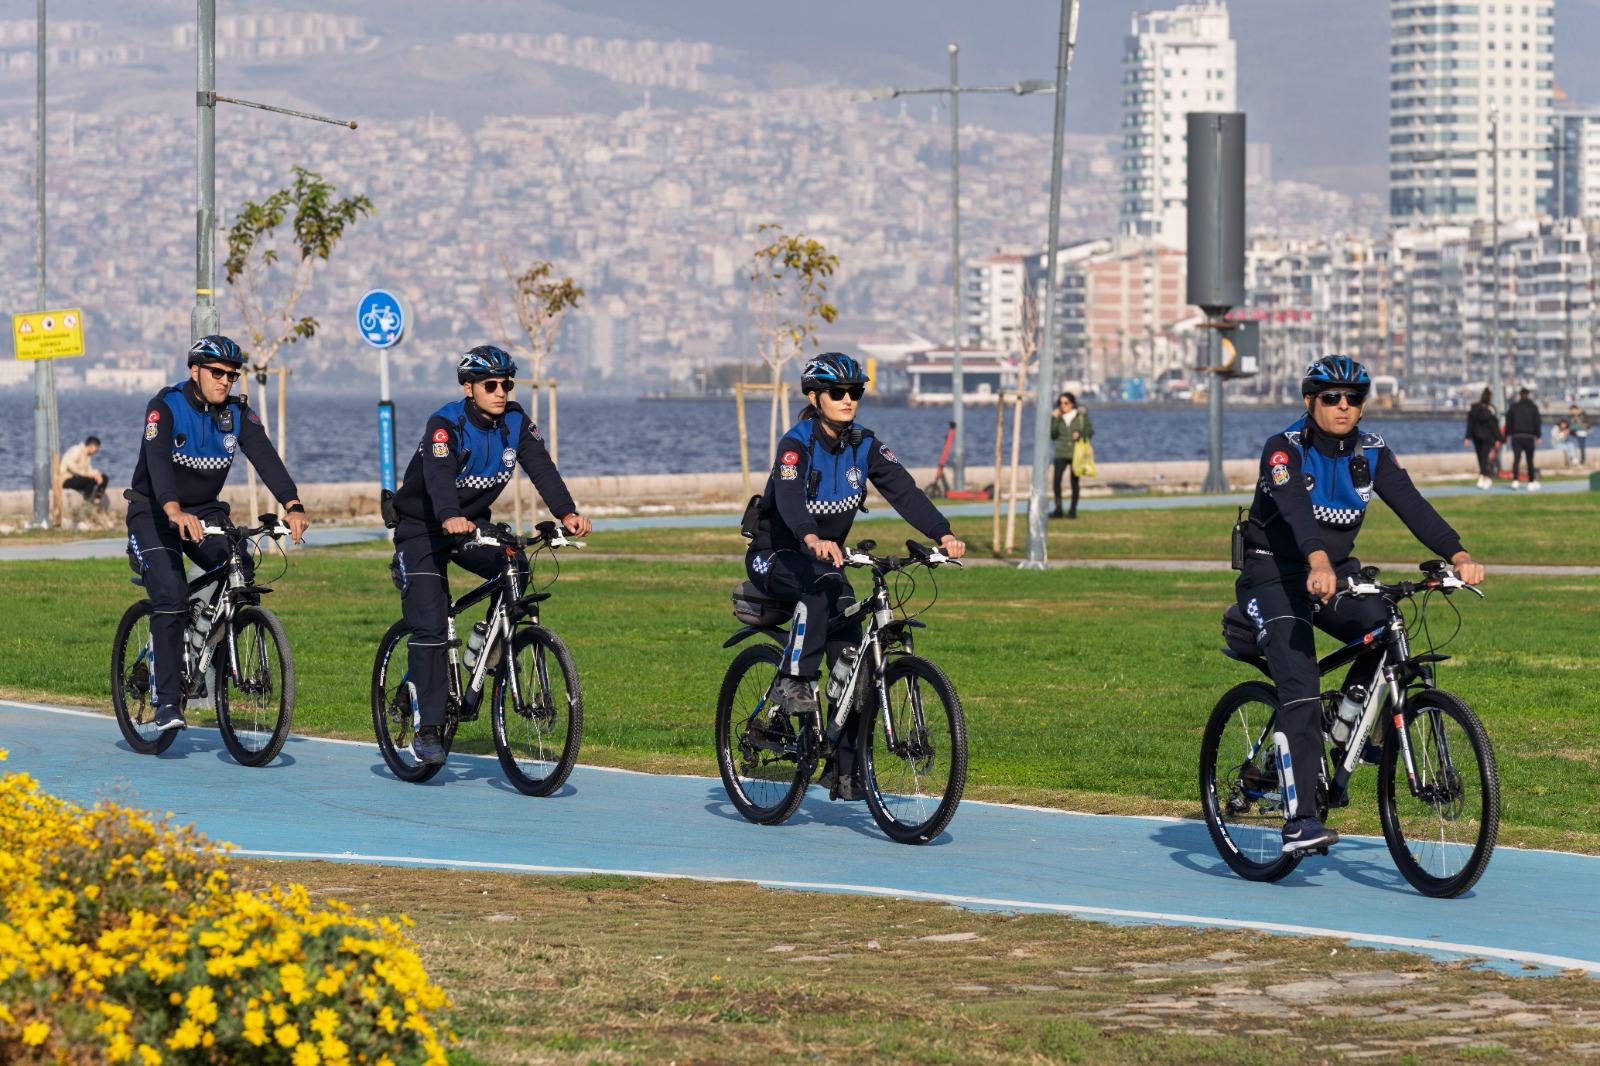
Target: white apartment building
(1174, 62)
(1463, 76)
(992, 298)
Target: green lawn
(1083, 688)
(1500, 528)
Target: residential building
(1466, 79)
(1577, 158)
(1174, 62)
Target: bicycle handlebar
(499, 535)
(1441, 578)
(270, 526)
(861, 555)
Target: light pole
(203, 318)
(46, 438)
(1038, 523)
(958, 465)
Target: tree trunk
(772, 421)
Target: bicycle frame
(231, 589)
(1396, 670)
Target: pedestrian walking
(1523, 430)
(79, 475)
(1071, 429)
(1483, 433)
(1578, 425)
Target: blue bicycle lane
(335, 801)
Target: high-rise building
(1577, 171)
(1464, 77)
(1174, 62)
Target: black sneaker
(1305, 834)
(850, 789)
(794, 695)
(426, 747)
(169, 716)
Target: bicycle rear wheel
(255, 709)
(132, 679)
(765, 755)
(1239, 789)
(391, 707)
(537, 734)
(1441, 835)
(914, 786)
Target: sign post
(381, 318)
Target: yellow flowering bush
(123, 939)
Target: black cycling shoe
(794, 695)
(1306, 834)
(850, 789)
(426, 747)
(169, 716)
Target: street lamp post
(958, 464)
(46, 437)
(203, 317)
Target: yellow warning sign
(48, 334)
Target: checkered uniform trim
(472, 482)
(844, 506)
(1337, 516)
(202, 462)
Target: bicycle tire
(888, 810)
(263, 622)
(130, 692)
(545, 708)
(1258, 855)
(1474, 858)
(747, 684)
(391, 713)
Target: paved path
(111, 547)
(335, 800)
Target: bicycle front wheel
(914, 783)
(538, 723)
(1239, 789)
(255, 708)
(764, 754)
(1441, 829)
(133, 683)
(391, 707)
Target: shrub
(124, 939)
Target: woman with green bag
(1071, 429)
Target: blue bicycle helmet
(215, 349)
(1335, 372)
(485, 361)
(830, 369)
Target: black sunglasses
(1332, 398)
(230, 376)
(839, 392)
(496, 384)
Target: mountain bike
(230, 638)
(1438, 785)
(536, 712)
(911, 734)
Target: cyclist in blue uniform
(1316, 480)
(191, 432)
(467, 456)
(818, 482)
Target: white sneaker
(1533, 486)
(1483, 482)
(1516, 485)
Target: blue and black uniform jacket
(1313, 492)
(466, 459)
(189, 445)
(818, 483)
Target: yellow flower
(306, 1055)
(120, 1049)
(202, 1004)
(35, 1033)
(255, 1027)
(325, 1022)
(92, 891)
(149, 1055)
(287, 1035)
(187, 1036)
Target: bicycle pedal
(1323, 851)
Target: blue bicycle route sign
(381, 318)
